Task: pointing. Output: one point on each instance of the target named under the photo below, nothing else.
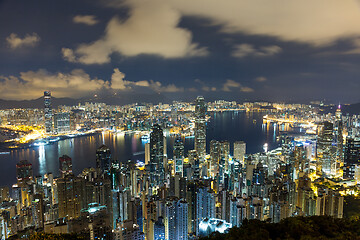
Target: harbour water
(230, 126)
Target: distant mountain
(120, 99)
(35, 103)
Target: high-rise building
(24, 172)
(200, 127)
(325, 150)
(338, 131)
(103, 159)
(205, 206)
(157, 171)
(48, 112)
(351, 157)
(62, 122)
(240, 151)
(70, 194)
(176, 220)
(179, 156)
(65, 163)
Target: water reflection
(231, 126)
(42, 160)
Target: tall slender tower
(325, 150)
(103, 160)
(200, 127)
(48, 112)
(339, 137)
(157, 154)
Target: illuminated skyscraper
(103, 159)
(200, 127)
(70, 193)
(24, 172)
(176, 220)
(48, 112)
(325, 150)
(157, 154)
(205, 206)
(240, 151)
(179, 156)
(62, 122)
(351, 157)
(339, 136)
(65, 164)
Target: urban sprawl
(190, 195)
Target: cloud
(118, 82)
(29, 85)
(260, 79)
(152, 28)
(85, 19)
(230, 84)
(244, 50)
(246, 89)
(317, 22)
(204, 86)
(29, 40)
(77, 83)
(68, 54)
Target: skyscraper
(157, 154)
(103, 159)
(339, 136)
(176, 220)
(325, 150)
(240, 151)
(48, 112)
(179, 156)
(24, 172)
(200, 127)
(351, 157)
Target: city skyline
(240, 50)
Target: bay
(222, 126)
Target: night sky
(272, 50)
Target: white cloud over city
(152, 28)
(75, 84)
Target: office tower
(339, 136)
(62, 122)
(325, 150)
(65, 163)
(200, 128)
(240, 151)
(24, 172)
(351, 157)
(103, 160)
(194, 162)
(179, 156)
(157, 154)
(176, 220)
(48, 112)
(70, 193)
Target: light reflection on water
(231, 126)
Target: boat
(3, 153)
